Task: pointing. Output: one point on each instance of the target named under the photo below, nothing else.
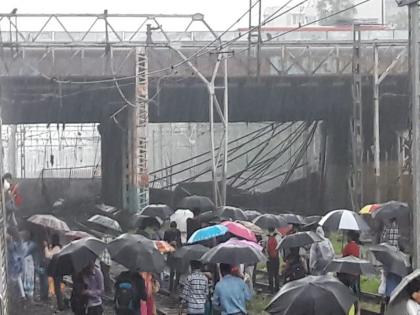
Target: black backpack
(295, 271)
(124, 296)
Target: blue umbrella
(208, 233)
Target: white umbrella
(180, 217)
(343, 220)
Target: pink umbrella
(239, 230)
(235, 241)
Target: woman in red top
(352, 248)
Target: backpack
(294, 271)
(124, 296)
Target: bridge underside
(275, 98)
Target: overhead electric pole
(413, 15)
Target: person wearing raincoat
(321, 254)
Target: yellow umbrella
(368, 209)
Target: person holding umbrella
(196, 290)
(320, 254)
(391, 233)
(231, 293)
(130, 289)
(94, 289)
(273, 262)
(173, 237)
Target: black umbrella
(208, 216)
(252, 214)
(77, 255)
(144, 221)
(392, 259)
(231, 214)
(234, 253)
(351, 265)
(159, 210)
(104, 224)
(184, 255)
(267, 221)
(294, 219)
(312, 295)
(393, 210)
(311, 222)
(197, 203)
(299, 239)
(136, 253)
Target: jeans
(273, 268)
(58, 292)
(43, 284)
(173, 280)
(95, 310)
(107, 279)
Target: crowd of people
(201, 289)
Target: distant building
(298, 16)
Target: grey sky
(218, 13)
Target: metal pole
(413, 12)
(377, 156)
(383, 12)
(249, 36)
(226, 125)
(259, 40)
(212, 145)
(11, 154)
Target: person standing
(105, 264)
(129, 291)
(352, 247)
(55, 283)
(413, 302)
(273, 261)
(231, 293)
(173, 237)
(391, 233)
(196, 290)
(295, 267)
(320, 254)
(94, 289)
(28, 275)
(78, 301)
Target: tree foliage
(327, 7)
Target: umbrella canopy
(208, 233)
(197, 203)
(403, 284)
(392, 259)
(252, 227)
(267, 221)
(294, 219)
(159, 210)
(180, 217)
(49, 221)
(77, 255)
(231, 214)
(312, 295)
(235, 241)
(144, 221)
(351, 265)
(76, 235)
(392, 209)
(208, 216)
(343, 220)
(136, 253)
(185, 254)
(240, 231)
(104, 223)
(369, 209)
(252, 214)
(299, 239)
(236, 253)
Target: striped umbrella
(49, 221)
(343, 220)
(369, 209)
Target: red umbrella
(239, 230)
